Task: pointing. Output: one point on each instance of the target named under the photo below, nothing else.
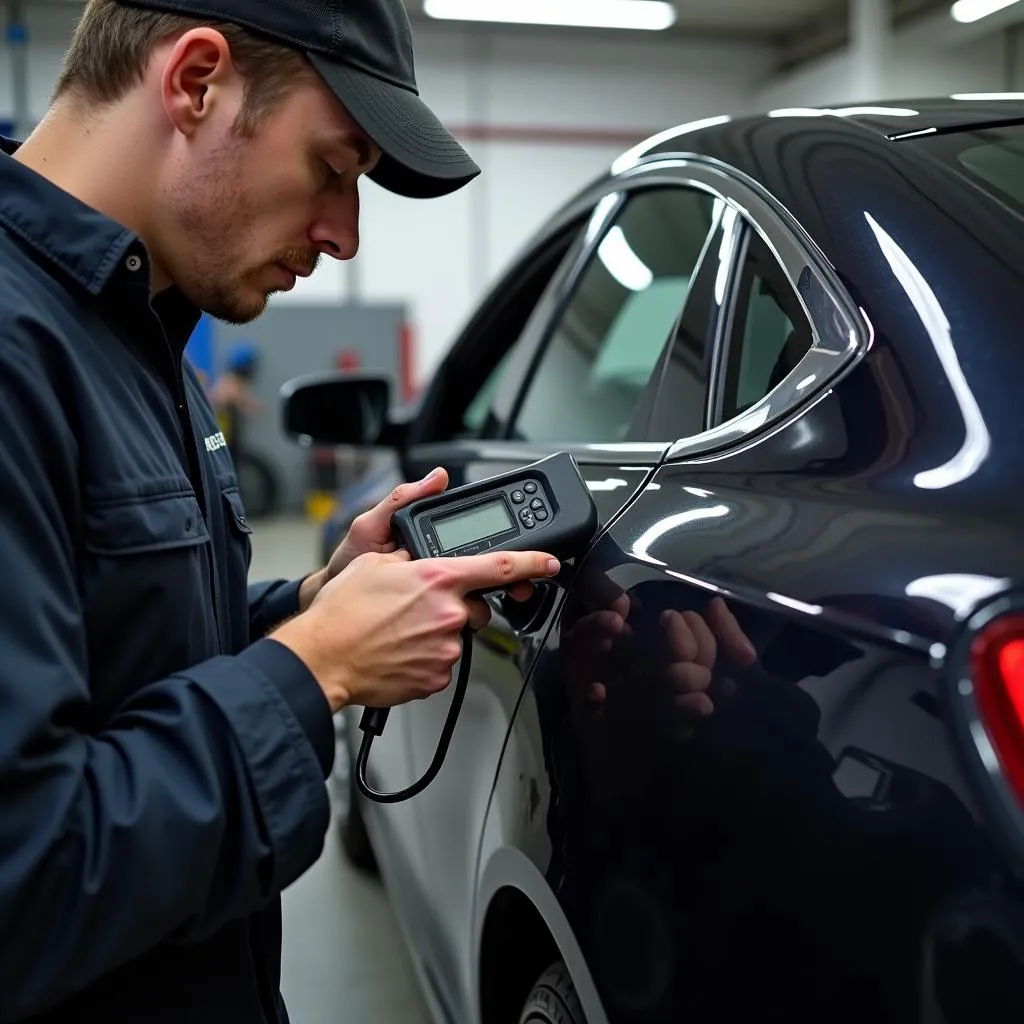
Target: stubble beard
(211, 215)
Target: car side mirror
(336, 408)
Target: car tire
(257, 484)
(355, 840)
(553, 999)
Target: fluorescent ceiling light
(975, 10)
(652, 15)
(981, 97)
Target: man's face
(241, 217)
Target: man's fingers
(688, 677)
(521, 592)
(696, 704)
(404, 494)
(498, 570)
(597, 632)
(479, 613)
(396, 555)
(732, 638)
(707, 649)
(681, 640)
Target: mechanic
(167, 732)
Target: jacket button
(133, 263)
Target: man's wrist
(310, 587)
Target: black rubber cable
(374, 719)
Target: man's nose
(336, 230)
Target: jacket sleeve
(195, 804)
(270, 603)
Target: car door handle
(525, 616)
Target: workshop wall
(926, 61)
(563, 114)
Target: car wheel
(553, 999)
(355, 840)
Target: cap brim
(421, 158)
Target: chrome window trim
(840, 330)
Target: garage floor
(344, 957)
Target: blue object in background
(7, 129)
(17, 34)
(199, 350)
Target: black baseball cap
(363, 50)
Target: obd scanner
(545, 506)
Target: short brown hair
(113, 43)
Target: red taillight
(997, 669)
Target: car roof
(779, 148)
(897, 118)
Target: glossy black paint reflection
(785, 833)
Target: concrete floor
(344, 957)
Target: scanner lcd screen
(473, 525)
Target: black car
(762, 757)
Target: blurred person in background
(232, 396)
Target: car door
(581, 377)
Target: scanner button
(518, 497)
(529, 522)
(536, 503)
(541, 515)
(530, 488)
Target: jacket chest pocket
(146, 588)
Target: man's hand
(386, 630)
(371, 534)
(371, 531)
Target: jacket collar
(93, 250)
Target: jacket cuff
(270, 603)
(288, 674)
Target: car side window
(475, 416)
(610, 337)
(770, 332)
(497, 353)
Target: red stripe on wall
(536, 134)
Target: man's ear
(198, 75)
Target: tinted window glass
(475, 416)
(610, 337)
(993, 158)
(770, 332)
(497, 353)
(679, 407)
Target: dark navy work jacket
(162, 763)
